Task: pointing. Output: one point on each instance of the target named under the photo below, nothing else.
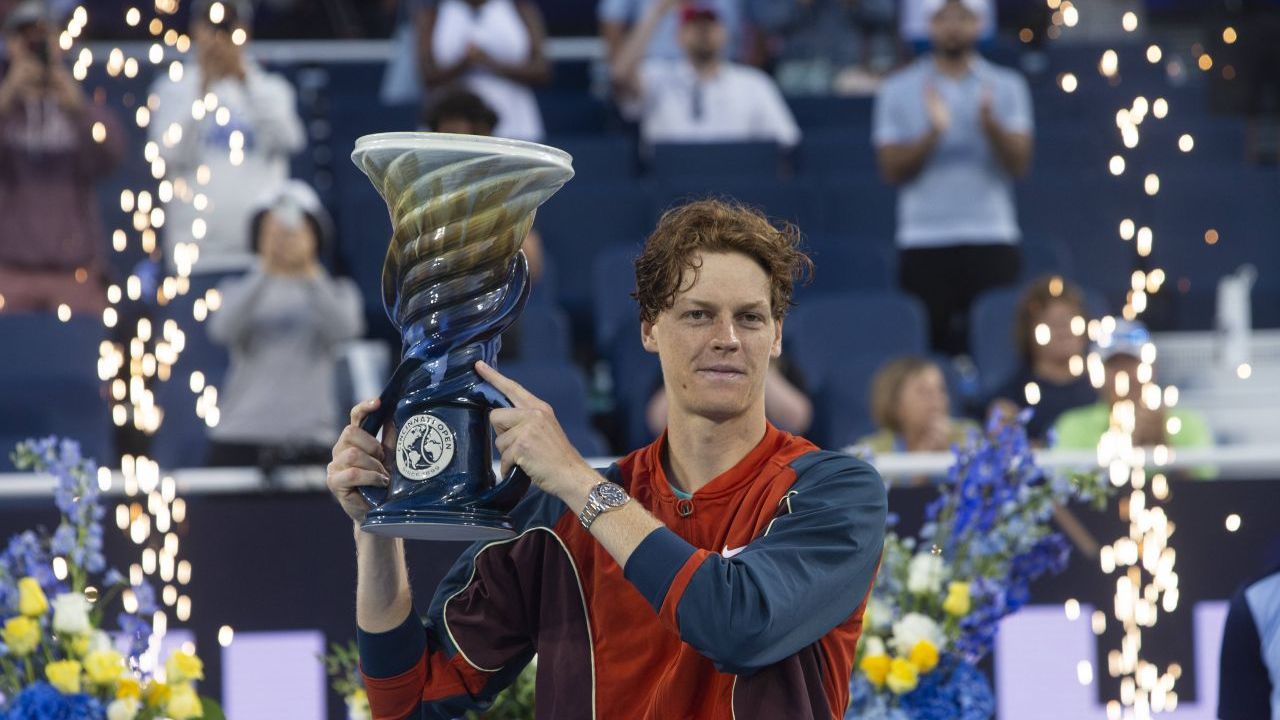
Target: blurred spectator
(954, 130)
(234, 150)
(1249, 677)
(620, 18)
(700, 97)
(1125, 377)
(283, 323)
(785, 402)
(910, 405)
(462, 112)
(914, 17)
(495, 49)
(825, 46)
(1049, 334)
(55, 145)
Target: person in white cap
(236, 127)
(953, 131)
(1125, 375)
(283, 323)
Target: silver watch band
(590, 512)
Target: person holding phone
(55, 145)
(238, 147)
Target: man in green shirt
(1121, 353)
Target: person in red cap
(699, 97)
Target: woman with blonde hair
(911, 408)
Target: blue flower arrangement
(939, 597)
(56, 661)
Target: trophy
(453, 280)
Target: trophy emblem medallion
(424, 448)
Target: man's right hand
(358, 460)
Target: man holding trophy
(721, 571)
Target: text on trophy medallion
(424, 447)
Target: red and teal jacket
(748, 604)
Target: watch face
(611, 495)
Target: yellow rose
(183, 703)
(78, 645)
(876, 668)
(903, 676)
(183, 667)
(103, 666)
(129, 688)
(157, 694)
(957, 602)
(64, 675)
(31, 599)
(924, 656)
(21, 634)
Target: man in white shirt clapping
(700, 97)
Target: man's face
(703, 39)
(716, 340)
(954, 30)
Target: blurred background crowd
(965, 173)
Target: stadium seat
(566, 391)
(849, 264)
(49, 384)
(543, 335)
(722, 159)
(613, 279)
(636, 376)
(826, 333)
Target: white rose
(71, 614)
(872, 645)
(926, 573)
(914, 627)
(877, 616)
(100, 641)
(123, 709)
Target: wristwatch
(604, 497)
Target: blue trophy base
(425, 524)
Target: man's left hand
(529, 436)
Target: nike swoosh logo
(729, 552)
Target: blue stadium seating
(567, 393)
(825, 333)
(842, 404)
(844, 263)
(543, 335)
(636, 375)
(613, 278)
(793, 202)
(598, 157)
(836, 151)
(724, 159)
(49, 384)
